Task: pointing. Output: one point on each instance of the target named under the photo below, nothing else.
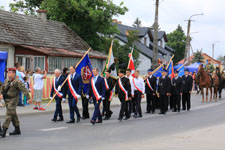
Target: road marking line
(52, 129)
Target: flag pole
(157, 68)
(67, 77)
(131, 54)
(106, 66)
(181, 66)
(169, 62)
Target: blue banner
(3, 59)
(85, 70)
(158, 72)
(181, 71)
(169, 69)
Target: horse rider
(209, 68)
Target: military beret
(186, 70)
(12, 69)
(122, 71)
(150, 70)
(109, 71)
(164, 70)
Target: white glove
(59, 88)
(50, 97)
(103, 98)
(87, 96)
(64, 100)
(78, 96)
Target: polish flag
(131, 63)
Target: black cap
(122, 71)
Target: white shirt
(22, 75)
(73, 75)
(139, 82)
(38, 81)
(131, 82)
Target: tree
(90, 19)
(176, 40)
(198, 57)
(137, 23)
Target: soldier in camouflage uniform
(0, 122)
(9, 91)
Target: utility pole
(213, 48)
(188, 40)
(155, 38)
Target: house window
(145, 40)
(39, 61)
(70, 62)
(54, 63)
(24, 60)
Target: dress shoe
(60, 119)
(92, 122)
(99, 121)
(120, 119)
(106, 118)
(21, 105)
(54, 120)
(135, 116)
(16, 131)
(85, 118)
(153, 112)
(3, 133)
(78, 119)
(139, 116)
(174, 111)
(161, 113)
(126, 118)
(71, 121)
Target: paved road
(151, 131)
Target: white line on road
(52, 129)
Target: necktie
(72, 77)
(94, 78)
(56, 80)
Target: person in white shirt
(137, 92)
(131, 103)
(38, 86)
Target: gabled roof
(27, 30)
(141, 47)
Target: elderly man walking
(38, 86)
(60, 94)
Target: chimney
(42, 14)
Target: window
(24, 60)
(39, 61)
(54, 63)
(70, 62)
(145, 40)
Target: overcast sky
(210, 27)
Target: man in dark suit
(96, 91)
(164, 91)
(176, 91)
(74, 82)
(150, 90)
(123, 90)
(109, 84)
(187, 83)
(60, 94)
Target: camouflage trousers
(11, 114)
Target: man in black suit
(123, 90)
(176, 91)
(96, 91)
(60, 94)
(187, 83)
(109, 84)
(150, 90)
(164, 91)
(74, 82)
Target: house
(145, 44)
(206, 58)
(39, 42)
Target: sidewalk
(28, 110)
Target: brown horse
(204, 82)
(215, 85)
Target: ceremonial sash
(110, 96)
(137, 87)
(72, 90)
(106, 84)
(95, 91)
(149, 84)
(60, 95)
(123, 89)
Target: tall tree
(176, 40)
(137, 23)
(198, 57)
(90, 19)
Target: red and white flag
(131, 63)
